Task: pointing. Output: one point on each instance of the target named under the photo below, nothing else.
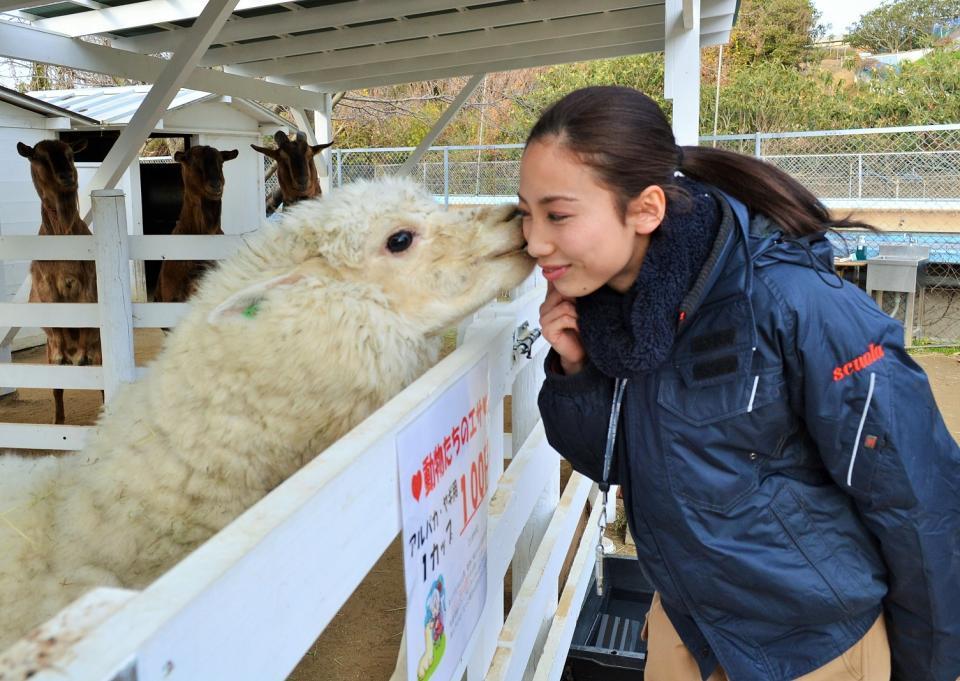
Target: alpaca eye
(400, 241)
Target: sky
(842, 13)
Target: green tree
(775, 31)
(899, 25)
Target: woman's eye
(400, 241)
(554, 217)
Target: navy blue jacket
(786, 472)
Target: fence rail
(209, 616)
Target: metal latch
(523, 340)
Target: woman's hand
(558, 323)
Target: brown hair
(625, 138)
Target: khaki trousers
(669, 660)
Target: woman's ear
(645, 212)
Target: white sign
(444, 478)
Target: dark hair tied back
(626, 139)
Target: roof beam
(134, 15)
(6, 5)
(468, 20)
(394, 64)
(492, 66)
(21, 42)
(478, 40)
(304, 20)
(441, 124)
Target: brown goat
(296, 171)
(202, 170)
(61, 281)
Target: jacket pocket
(851, 586)
(716, 436)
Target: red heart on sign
(417, 484)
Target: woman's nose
(537, 245)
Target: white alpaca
(288, 345)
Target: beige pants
(669, 660)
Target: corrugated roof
(116, 105)
(39, 106)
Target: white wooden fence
(250, 601)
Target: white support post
(6, 356)
(441, 124)
(166, 87)
(113, 290)
(681, 81)
(323, 127)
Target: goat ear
(229, 155)
(317, 148)
(280, 137)
(247, 303)
(179, 156)
(24, 150)
(78, 145)
(266, 151)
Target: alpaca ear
(179, 156)
(280, 137)
(266, 151)
(24, 150)
(229, 155)
(247, 303)
(317, 148)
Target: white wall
(219, 125)
(243, 192)
(19, 203)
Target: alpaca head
(202, 170)
(391, 242)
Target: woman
(791, 486)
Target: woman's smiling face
(573, 225)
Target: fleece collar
(629, 334)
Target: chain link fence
(905, 181)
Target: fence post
(339, 168)
(859, 176)
(5, 351)
(757, 145)
(113, 289)
(446, 177)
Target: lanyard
(619, 387)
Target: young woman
(791, 486)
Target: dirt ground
(362, 641)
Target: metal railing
(905, 180)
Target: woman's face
(572, 224)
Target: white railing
(112, 249)
(250, 601)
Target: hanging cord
(604, 485)
(802, 243)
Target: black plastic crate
(606, 643)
